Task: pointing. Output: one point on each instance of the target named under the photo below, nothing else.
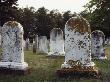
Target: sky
(61, 5)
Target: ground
(43, 69)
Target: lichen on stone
(79, 24)
(12, 23)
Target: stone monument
(12, 47)
(43, 45)
(77, 47)
(56, 42)
(98, 43)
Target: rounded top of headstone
(42, 37)
(11, 23)
(98, 33)
(57, 30)
(79, 24)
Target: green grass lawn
(43, 69)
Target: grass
(43, 69)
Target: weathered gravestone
(0, 40)
(77, 47)
(27, 43)
(98, 42)
(107, 41)
(43, 45)
(35, 44)
(34, 47)
(12, 47)
(24, 44)
(56, 42)
(0, 35)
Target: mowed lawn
(43, 69)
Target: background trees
(41, 21)
(98, 14)
(7, 10)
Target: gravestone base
(4, 70)
(102, 58)
(14, 65)
(55, 56)
(78, 71)
(56, 53)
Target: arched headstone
(78, 44)
(98, 42)
(12, 46)
(56, 42)
(43, 47)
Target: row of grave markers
(76, 47)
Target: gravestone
(56, 42)
(12, 47)
(27, 43)
(77, 47)
(98, 42)
(43, 47)
(0, 35)
(24, 44)
(36, 43)
(0, 40)
(34, 47)
(107, 41)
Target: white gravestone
(43, 47)
(107, 41)
(77, 43)
(12, 46)
(24, 44)
(98, 42)
(56, 42)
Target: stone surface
(98, 42)
(56, 42)
(43, 44)
(12, 46)
(77, 43)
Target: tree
(98, 11)
(7, 10)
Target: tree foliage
(7, 10)
(98, 14)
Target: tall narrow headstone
(98, 42)
(27, 43)
(0, 35)
(36, 43)
(56, 42)
(34, 47)
(12, 46)
(77, 46)
(43, 47)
